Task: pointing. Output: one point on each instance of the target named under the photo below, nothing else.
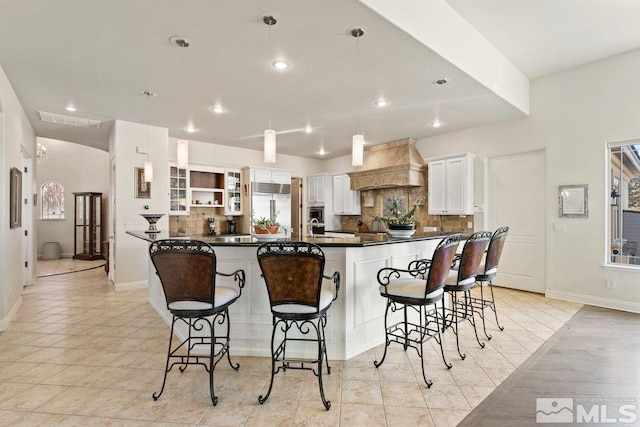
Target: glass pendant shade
(148, 172)
(269, 146)
(183, 153)
(357, 150)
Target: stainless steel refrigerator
(272, 200)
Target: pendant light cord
(148, 126)
(182, 84)
(358, 85)
(270, 106)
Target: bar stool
(293, 273)
(419, 288)
(461, 280)
(487, 271)
(187, 271)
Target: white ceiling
(542, 37)
(98, 55)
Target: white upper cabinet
(319, 189)
(270, 175)
(345, 201)
(451, 185)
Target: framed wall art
(573, 201)
(143, 188)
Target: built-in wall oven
(317, 212)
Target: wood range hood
(394, 164)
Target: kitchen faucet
(310, 225)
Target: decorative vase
(152, 219)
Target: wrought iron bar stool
(294, 273)
(419, 288)
(487, 271)
(461, 280)
(187, 271)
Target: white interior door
(516, 194)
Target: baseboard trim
(4, 323)
(130, 286)
(632, 307)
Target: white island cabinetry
(356, 319)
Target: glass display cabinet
(88, 226)
(178, 191)
(233, 185)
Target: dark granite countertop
(360, 240)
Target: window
(624, 210)
(52, 196)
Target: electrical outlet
(559, 227)
(611, 284)
(429, 229)
(469, 224)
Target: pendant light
(182, 145)
(357, 147)
(269, 134)
(148, 165)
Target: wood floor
(594, 359)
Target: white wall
(90, 172)
(222, 155)
(573, 115)
(130, 253)
(16, 134)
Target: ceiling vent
(61, 119)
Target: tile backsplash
(373, 206)
(197, 222)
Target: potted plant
(264, 225)
(398, 217)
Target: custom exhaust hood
(394, 164)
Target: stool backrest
(471, 257)
(186, 268)
(292, 272)
(441, 262)
(495, 250)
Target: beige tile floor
(65, 265)
(78, 353)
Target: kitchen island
(356, 319)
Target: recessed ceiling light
(308, 129)
(217, 109)
(436, 124)
(70, 108)
(280, 64)
(190, 129)
(381, 103)
(440, 82)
